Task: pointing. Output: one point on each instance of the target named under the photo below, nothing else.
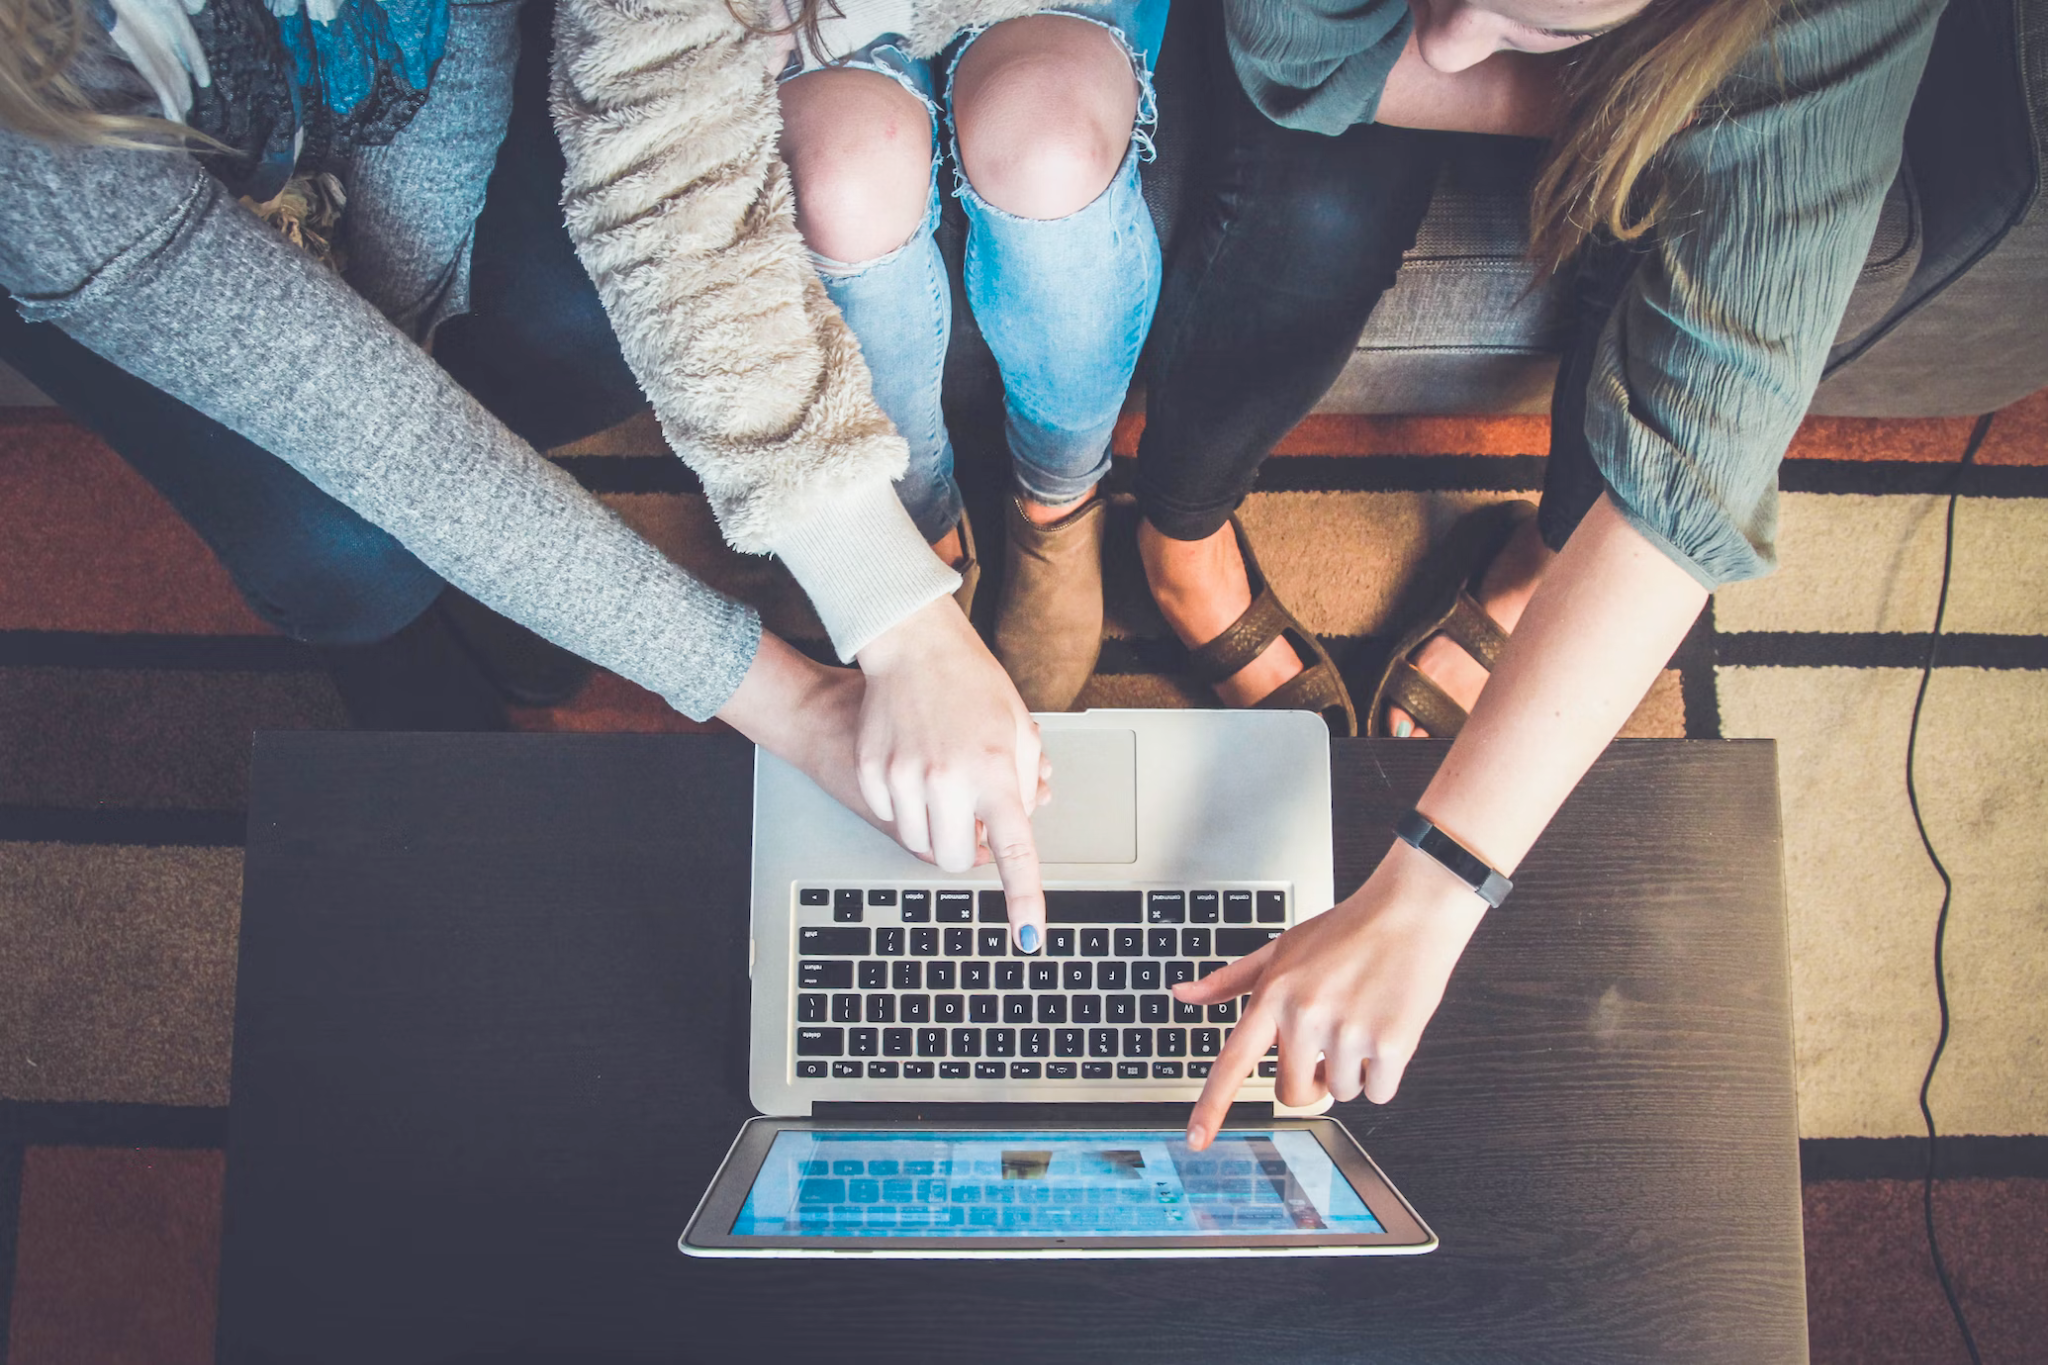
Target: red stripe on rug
(117, 1257)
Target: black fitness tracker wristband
(1468, 867)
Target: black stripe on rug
(1876, 649)
(138, 828)
(33, 1123)
(174, 653)
(1905, 1158)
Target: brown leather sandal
(1318, 687)
(1451, 609)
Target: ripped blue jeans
(1064, 303)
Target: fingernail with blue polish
(1404, 729)
(1027, 938)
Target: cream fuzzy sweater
(680, 208)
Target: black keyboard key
(1036, 1042)
(1173, 1042)
(993, 908)
(908, 976)
(883, 1071)
(1067, 1042)
(1197, 942)
(1129, 942)
(874, 975)
(939, 976)
(959, 943)
(881, 1009)
(1059, 943)
(813, 895)
(924, 941)
(1153, 1009)
(1017, 1009)
(954, 1071)
(914, 1009)
(1166, 1071)
(1225, 1013)
(1130, 1071)
(1024, 1071)
(810, 1009)
(1208, 969)
(1095, 943)
(881, 895)
(1087, 1008)
(846, 1009)
(1162, 943)
(1052, 1009)
(1184, 1013)
(810, 1070)
(1242, 942)
(1121, 1009)
(974, 976)
(981, 1009)
(948, 1009)
(1272, 907)
(955, 907)
(1102, 1042)
(917, 1071)
(833, 940)
(1137, 1042)
(1204, 907)
(992, 942)
(1094, 907)
(1237, 907)
(1199, 1071)
(820, 1042)
(889, 941)
(1269, 1069)
(1045, 976)
(896, 1042)
(931, 1042)
(1208, 1041)
(1078, 976)
(917, 907)
(1058, 1071)
(966, 1042)
(1010, 976)
(1145, 976)
(1097, 1071)
(1110, 976)
(863, 1042)
(1177, 972)
(990, 1071)
(1000, 1042)
(1165, 907)
(846, 906)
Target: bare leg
(1201, 587)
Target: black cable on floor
(1948, 552)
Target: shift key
(834, 940)
(1236, 942)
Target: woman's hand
(950, 757)
(1347, 994)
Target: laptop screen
(1097, 1183)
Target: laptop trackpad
(1093, 816)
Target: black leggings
(1291, 240)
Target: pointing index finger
(1015, 850)
(1248, 1042)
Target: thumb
(1236, 979)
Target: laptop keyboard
(916, 983)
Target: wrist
(911, 639)
(1415, 878)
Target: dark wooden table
(490, 1046)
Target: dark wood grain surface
(490, 1046)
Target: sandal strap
(1476, 632)
(1412, 690)
(1315, 688)
(1242, 641)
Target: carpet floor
(131, 676)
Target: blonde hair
(1629, 93)
(41, 42)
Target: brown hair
(41, 42)
(805, 22)
(1629, 93)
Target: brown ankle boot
(1049, 622)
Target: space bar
(1094, 907)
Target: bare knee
(859, 149)
(1044, 108)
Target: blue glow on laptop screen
(1248, 1184)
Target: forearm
(1512, 93)
(1603, 624)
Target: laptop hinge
(1051, 1115)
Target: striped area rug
(131, 676)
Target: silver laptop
(1176, 842)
